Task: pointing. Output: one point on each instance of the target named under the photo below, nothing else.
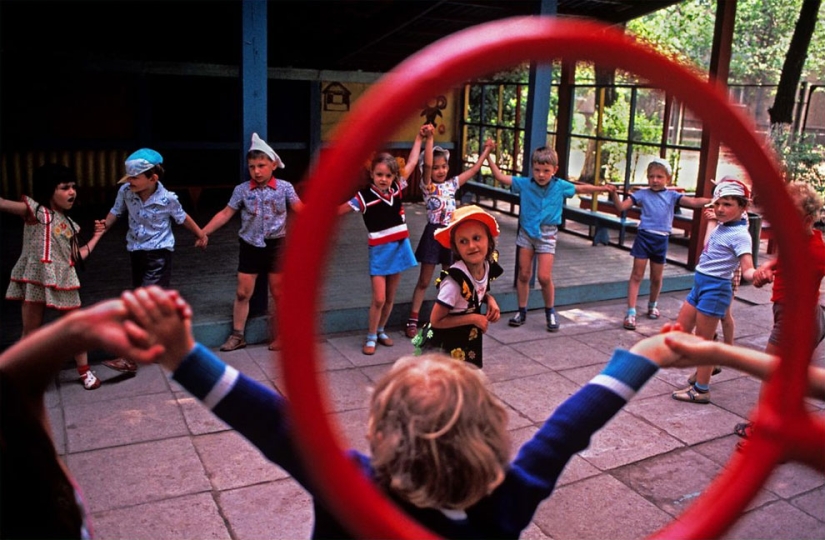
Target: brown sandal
(123, 365)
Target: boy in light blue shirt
(541, 201)
(151, 209)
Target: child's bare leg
(424, 278)
(379, 297)
(728, 326)
(656, 271)
(705, 328)
(544, 271)
(392, 282)
(240, 310)
(32, 316)
(274, 280)
(687, 317)
(637, 274)
(525, 272)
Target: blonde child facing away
(264, 203)
(726, 247)
(390, 253)
(45, 275)
(658, 204)
(457, 322)
(541, 202)
(439, 199)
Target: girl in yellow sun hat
(457, 321)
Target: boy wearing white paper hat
(726, 247)
(150, 241)
(263, 202)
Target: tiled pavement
(153, 463)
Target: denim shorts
(710, 295)
(649, 245)
(545, 244)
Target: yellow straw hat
(466, 213)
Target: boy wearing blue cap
(151, 209)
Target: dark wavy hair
(45, 180)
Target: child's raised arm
(489, 145)
(18, 208)
(412, 161)
(500, 177)
(427, 171)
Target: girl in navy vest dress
(390, 251)
(457, 322)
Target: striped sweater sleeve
(257, 412)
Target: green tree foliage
(761, 37)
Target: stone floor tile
(812, 503)
(281, 509)
(688, 422)
(662, 480)
(791, 479)
(231, 461)
(503, 363)
(627, 439)
(199, 419)
(190, 516)
(771, 521)
(560, 353)
(352, 425)
(598, 508)
(535, 397)
(138, 473)
(123, 421)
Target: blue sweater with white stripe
(504, 513)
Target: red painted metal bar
(449, 63)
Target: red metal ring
(396, 97)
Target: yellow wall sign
(338, 98)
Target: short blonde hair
(438, 436)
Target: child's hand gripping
(167, 321)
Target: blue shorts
(545, 244)
(429, 251)
(710, 295)
(648, 245)
(392, 258)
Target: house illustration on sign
(336, 97)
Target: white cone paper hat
(260, 145)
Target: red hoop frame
(786, 431)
